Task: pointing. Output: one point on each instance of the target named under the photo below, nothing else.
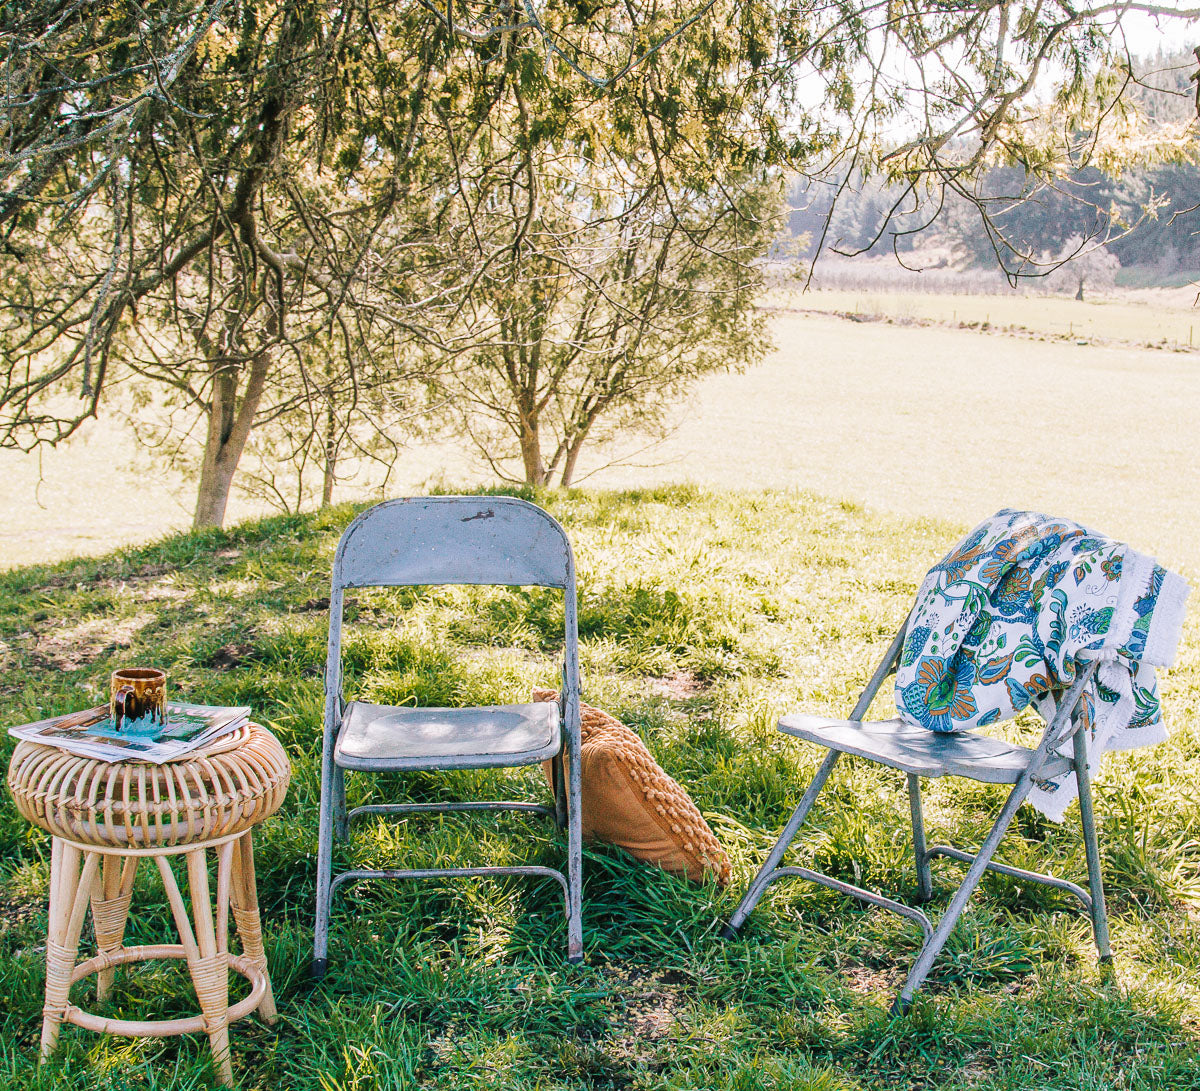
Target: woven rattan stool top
(215, 792)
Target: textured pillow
(629, 801)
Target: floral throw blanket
(1015, 609)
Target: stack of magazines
(93, 734)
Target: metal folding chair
(918, 752)
(450, 540)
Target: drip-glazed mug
(138, 693)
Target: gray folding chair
(918, 753)
(493, 540)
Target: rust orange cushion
(629, 801)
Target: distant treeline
(1149, 216)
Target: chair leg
(574, 806)
(933, 946)
(320, 962)
(1087, 818)
(558, 776)
(763, 878)
(924, 877)
(341, 823)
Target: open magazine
(92, 733)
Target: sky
(1147, 34)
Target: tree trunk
(582, 426)
(331, 454)
(1079, 294)
(327, 485)
(229, 427)
(572, 457)
(531, 452)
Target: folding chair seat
(450, 540)
(921, 752)
(375, 738)
(918, 752)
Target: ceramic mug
(137, 693)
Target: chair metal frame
(452, 540)
(1061, 729)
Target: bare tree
(351, 415)
(1080, 266)
(1050, 88)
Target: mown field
(1137, 318)
(704, 616)
(952, 423)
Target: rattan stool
(104, 817)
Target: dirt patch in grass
(79, 645)
(16, 911)
(648, 1009)
(232, 655)
(871, 980)
(678, 686)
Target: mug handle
(119, 699)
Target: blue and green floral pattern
(1013, 611)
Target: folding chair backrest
(425, 541)
(454, 540)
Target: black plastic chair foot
(319, 966)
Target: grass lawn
(704, 616)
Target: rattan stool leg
(110, 910)
(69, 891)
(210, 973)
(245, 914)
(208, 968)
